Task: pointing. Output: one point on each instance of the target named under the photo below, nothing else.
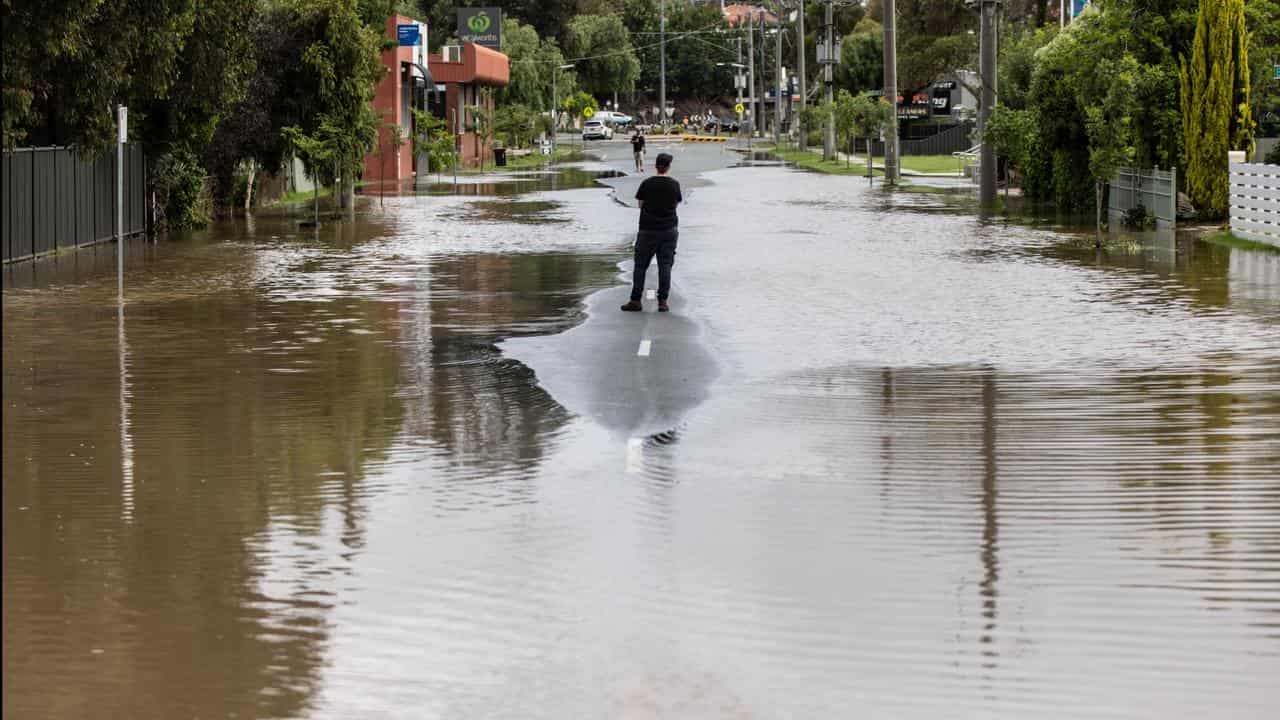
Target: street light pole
(555, 104)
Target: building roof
(737, 14)
(480, 66)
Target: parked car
(595, 129)
(612, 118)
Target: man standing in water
(658, 197)
(637, 149)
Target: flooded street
(885, 459)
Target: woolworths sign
(482, 26)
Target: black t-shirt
(660, 195)
(637, 143)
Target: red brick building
(402, 88)
(461, 72)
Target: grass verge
(1225, 237)
(294, 198)
(930, 164)
(813, 161)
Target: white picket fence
(1255, 202)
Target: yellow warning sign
(587, 112)
(739, 108)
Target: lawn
(930, 163)
(1225, 237)
(810, 160)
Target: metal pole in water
(804, 98)
(122, 120)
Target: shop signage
(407, 35)
(482, 26)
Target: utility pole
(764, 74)
(777, 83)
(987, 68)
(804, 98)
(891, 91)
(662, 64)
(828, 60)
(751, 74)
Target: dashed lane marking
(645, 346)
(651, 294)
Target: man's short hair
(663, 161)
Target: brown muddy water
(945, 467)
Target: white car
(613, 118)
(595, 129)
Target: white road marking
(645, 345)
(651, 294)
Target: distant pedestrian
(637, 149)
(658, 197)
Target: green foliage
(517, 125)
(692, 73)
(933, 39)
(1273, 156)
(1104, 90)
(612, 65)
(1013, 134)
(577, 102)
(861, 65)
(1262, 20)
(533, 61)
(1215, 103)
(431, 137)
(178, 180)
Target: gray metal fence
(1154, 189)
(953, 139)
(1255, 202)
(53, 199)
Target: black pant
(649, 243)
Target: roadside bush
(1138, 218)
(1273, 156)
(183, 197)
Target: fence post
(122, 118)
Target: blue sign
(407, 35)
(1077, 7)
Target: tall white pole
(122, 121)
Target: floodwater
(925, 465)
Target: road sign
(407, 35)
(739, 108)
(1275, 72)
(587, 112)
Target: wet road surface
(884, 459)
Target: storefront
(465, 77)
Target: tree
(861, 65)
(578, 102)
(432, 139)
(1262, 18)
(1109, 125)
(612, 66)
(1013, 135)
(533, 61)
(316, 156)
(391, 137)
(1215, 103)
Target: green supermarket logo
(478, 23)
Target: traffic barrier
(697, 138)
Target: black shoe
(662, 306)
(633, 306)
